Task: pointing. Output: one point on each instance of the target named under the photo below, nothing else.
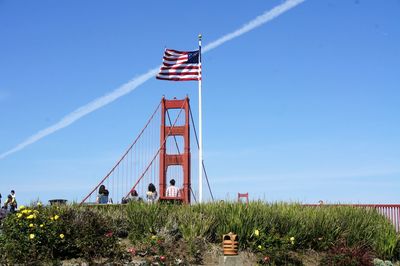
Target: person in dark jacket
(10, 204)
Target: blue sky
(302, 108)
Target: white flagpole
(200, 135)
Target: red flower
(266, 259)
(159, 241)
(109, 234)
(162, 258)
(132, 251)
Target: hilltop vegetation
(274, 234)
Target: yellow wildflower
(259, 247)
(28, 211)
(24, 211)
(41, 225)
(30, 217)
(32, 236)
(256, 232)
(21, 207)
(30, 225)
(51, 218)
(61, 236)
(19, 215)
(153, 237)
(292, 240)
(56, 217)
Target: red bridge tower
(183, 159)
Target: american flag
(180, 66)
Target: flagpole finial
(200, 36)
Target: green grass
(317, 228)
(321, 228)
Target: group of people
(172, 191)
(151, 194)
(10, 205)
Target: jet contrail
(84, 110)
(251, 25)
(137, 81)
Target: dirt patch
(214, 252)
(310, 257)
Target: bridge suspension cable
(202, 162)
(129, 163)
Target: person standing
(13, 194)
(151, 193)
(10, 204)
(14, 200)
(172, 190)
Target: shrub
(32, 234)
(92, 234)
(38, 234)
(343, 255)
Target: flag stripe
(194, 74)
(171, 57)
(186, 66)
(176, 79)
(179, 70)
(180, 65)
(179, 52)
(177, 75)
(167, 62)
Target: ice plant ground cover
(275, 234)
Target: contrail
(137, 81)
(84, 110)
(255, 23)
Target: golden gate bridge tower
(181, 159)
